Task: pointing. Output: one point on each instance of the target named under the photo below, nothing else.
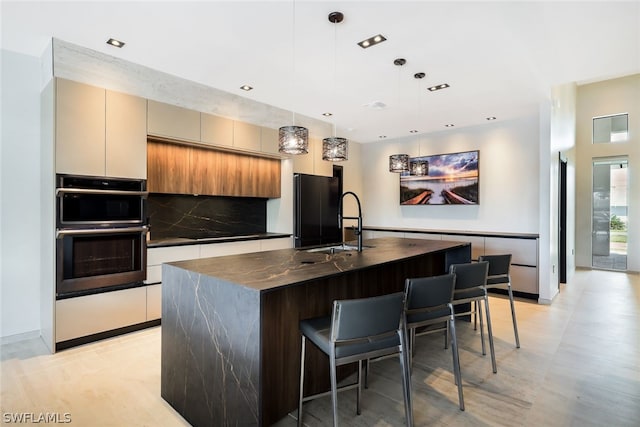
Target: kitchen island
(230, 338)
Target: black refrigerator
(315, 216)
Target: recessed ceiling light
(246, 87)
(327, 114)
(371, 41)
(438, 87)
(449, 125)
(413, 131)
(491, 118)
(382, 136)
(115, 43)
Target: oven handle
(84, 231)
(61, 191)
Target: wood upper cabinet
(99, 132)
(168, 168)
(181, 169)
(246, 136)
(172, 121)
(126, 136)
(216, 130)
(80, 128)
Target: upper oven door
(97, 202)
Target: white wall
(509, 169)
(20, 195)
(614, 96)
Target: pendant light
(335, 149)
(419, 167)
(399, 162)
(293, 139)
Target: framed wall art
(442, 179)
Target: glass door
(609, 214)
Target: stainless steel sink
(335, 249)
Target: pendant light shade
(419, 167)
(398, 163)
(334, 149)
(293, 140)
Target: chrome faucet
(358, 218)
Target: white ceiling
(500, 58)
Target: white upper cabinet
(80, 128)
(216, 130)
(174, 122)
(99, 132)
(246, 136)
(126, 136)
(269, 140)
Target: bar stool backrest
(425, 295)
(498, 268)
(366, 317)
(470, 275)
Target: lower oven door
(95, 260)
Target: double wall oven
(101, 234)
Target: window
(607, 129)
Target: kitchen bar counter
(230, 339)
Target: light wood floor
(579, 365)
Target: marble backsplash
(176, 215)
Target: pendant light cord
(293, 59)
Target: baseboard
(10, 339)
(106, 334)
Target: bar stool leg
(479, 311)
(334, 391)
(406, 381)
(513, 316)
(456, 362)
(489, 330)
(301, 382)
(359, 392)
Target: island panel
(210, 349)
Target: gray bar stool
(471, 281)
(428, 307)
(500, 277)
(357, 330)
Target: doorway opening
(609, 237)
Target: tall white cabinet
(99, 132)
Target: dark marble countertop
(183, 241)
(264, 271)
(454, 232)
